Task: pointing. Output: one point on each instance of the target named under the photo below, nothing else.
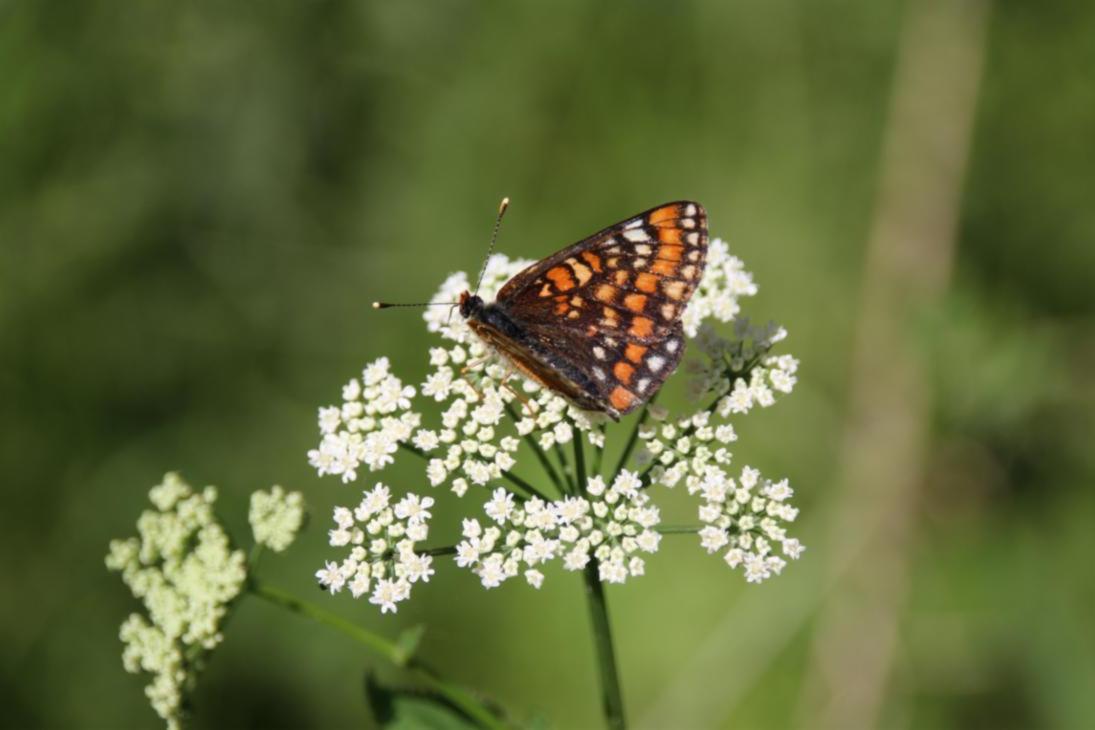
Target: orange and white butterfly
(599, 322)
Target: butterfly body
(599, 321)
(534, 357)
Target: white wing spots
(688, 223)
(694, 256)
(692, 238)
(610, 341)
(688, 272)
(643, 249)
(671, 346)
(690, 210)
(599, 352)
(669, 311)
(598, 373)
(639, 263)
(655, 363)
(633, 223)
(581, 272)
(636, 235)
(641, 385)
(613, 250)
(674, 288)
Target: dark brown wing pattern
(610, 305)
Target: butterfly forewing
(609, 307)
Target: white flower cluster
(488, 409)
(724, 282)
(685, 449)
(747, 516)
(613, 525)
(382, 539)
(374, 418)
(276, 517)
(184, 571)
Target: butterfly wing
(609, 306)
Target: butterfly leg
(525, 402)
(464, 375)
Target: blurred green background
(199, 200)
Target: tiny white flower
(535, 578)
(500, 506)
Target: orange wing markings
(606, 293)
(634, 352)
(560, 277)
(664, 267)
(669, 235)
(621, 398)
(635, 302)
(646, 283)
(623, 372)
(641, 327)
(669, 252)
(593, 260)
(665, 213)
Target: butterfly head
(470, 305)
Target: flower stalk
(612, 703)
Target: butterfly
(599, 322)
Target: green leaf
(399, 708)
(407, 643)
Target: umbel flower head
(276, 517)
(183, 569)
(579, 511)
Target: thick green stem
(612, 702)
(634, 437)
(579, 463)
(389, 650)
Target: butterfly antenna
(389, 305)
(493, 237)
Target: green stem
(678, 529)
(599, 454)
(540, 455)
(612, 702)
(253, 557)
(438, 551)
(579, 462)
(389, 650)
(634, 437)
(562, 457)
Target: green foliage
(396, 708)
